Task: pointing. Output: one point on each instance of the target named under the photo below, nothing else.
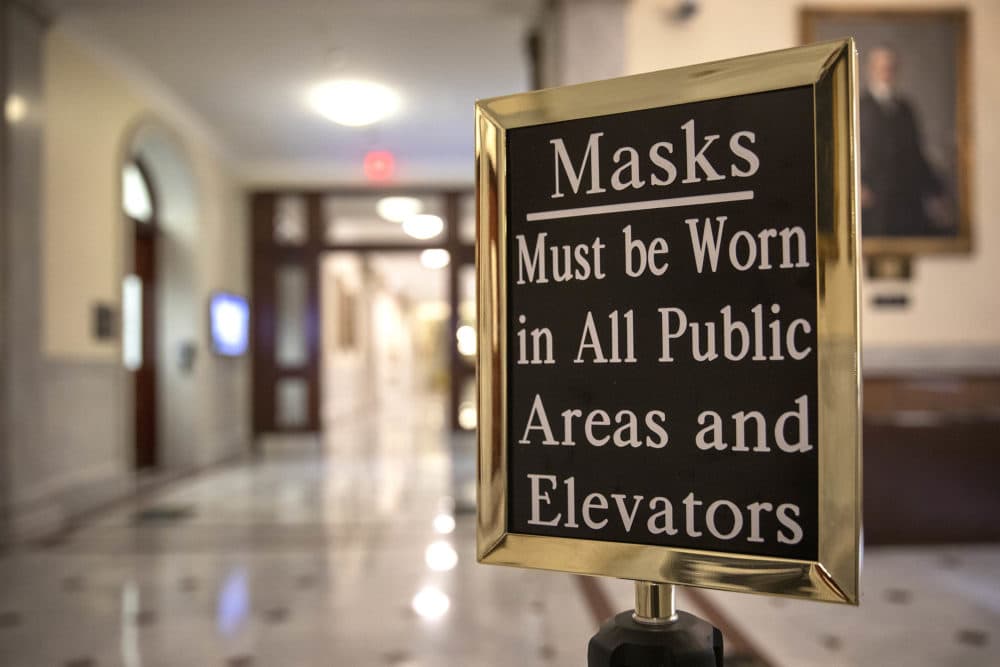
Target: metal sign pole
(655, 634)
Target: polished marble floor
(347, 550)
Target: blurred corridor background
(237, 332)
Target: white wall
(954, 316)
(582, 40)
(20, 360)
(95, 113)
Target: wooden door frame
(145, 440)
(266, 256)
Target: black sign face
(661, 331)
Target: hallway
(246, 326)
(300, 559)
(344, 552)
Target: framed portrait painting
(914, 122)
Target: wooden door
(145, 375)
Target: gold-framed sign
(669, 385)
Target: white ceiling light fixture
(423, 226)
(435, 258)
(353, 102)
(398, 209)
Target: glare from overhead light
(444, 524)
(431, 603)
(15, 109)
(398, 209)
(136, 199)
(466, 337)
(468, 418)
(353, 102)
(440, 556)
(132, 322)
(435, 258)
(423, 226)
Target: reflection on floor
(347, 552)
(933, 606)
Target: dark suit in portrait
(894, 171)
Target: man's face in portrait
(882, 68)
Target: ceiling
(242, 68)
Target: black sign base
(687, 642)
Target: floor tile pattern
(349, 551)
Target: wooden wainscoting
(932, 460)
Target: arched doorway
(162, 310)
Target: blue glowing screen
(230, 318)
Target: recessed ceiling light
(354, 102)
(423, 226)
(397, 209)
(435, 258)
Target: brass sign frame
(831, 70)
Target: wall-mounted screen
(229, 315)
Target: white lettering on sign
(703, 162)
(723, 519)
(662, 315)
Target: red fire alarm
(379, 165)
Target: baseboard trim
(972, 360)
(53, 519)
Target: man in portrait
(901, 195)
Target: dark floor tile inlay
(73, 584)
(973, 637)
(165, 513)
(145, 617)
(9, 619)
(54, 541)
(832, 642)
(396, 657)
(547, 652)
(898, 596)
(81, 662)
(276, 615)
(240, 661)
(189, 584)
(951, 562)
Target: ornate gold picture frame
(915, 137)
(830, 70)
